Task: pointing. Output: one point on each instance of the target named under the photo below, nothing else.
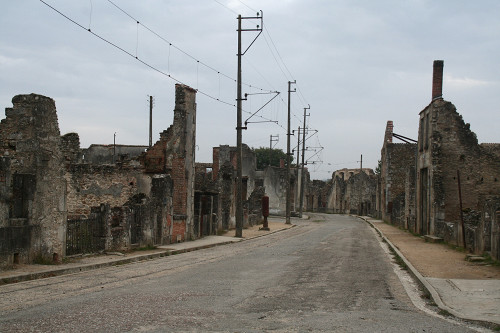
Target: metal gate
(84, 236)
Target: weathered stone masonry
(396, 160)
(429, 201)
(32, 186)
(174, 154)
(128, 200)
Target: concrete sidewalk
(471, 299)
(84, 263)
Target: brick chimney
(388, 131)
(437, 79)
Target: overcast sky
(357, 63)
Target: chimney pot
(437, 79)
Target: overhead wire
(178, 48)
(147, 64)
(134, 56)
(197, 61)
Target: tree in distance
(268, 156)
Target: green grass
(444, 313)
(40, 260)
(488, 260)
(398, 259)
(146, 248)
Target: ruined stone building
(352, 191)
(423, 187)
(33, 207)
(397, 164)
(447, 150)
(57, 199)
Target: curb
(88, 267)
(424, 283)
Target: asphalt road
(327, 274)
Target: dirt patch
(434, 259)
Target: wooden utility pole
(288, 189)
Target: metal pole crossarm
(262, 121)
(263, 106)
(259, 29)
(317, 152)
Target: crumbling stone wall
(111, 154)
(336, 195)
(315, 197)
(396, 160)
(206, 205)
(356, 195)
(32, 186)
(174, 154)
(255, 206)
(91, 185)
(410, 200)
(360, 194)
(447, 145)
(226, 209)
(275, 187)
(490, 238)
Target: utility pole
(150, 121)
(272, 138)
(114, 148)
(302, 178)
(361, 163)
(298, 144)
(239, 128)
(288, 190)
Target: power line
(153, 67)
(178, 48)
(275, 54)
(134, 56)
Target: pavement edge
(87, 267)
(424, 283)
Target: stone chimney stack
(388, 131)
(437, 79)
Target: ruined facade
(224, 175)
(454, 179)
(397, 160)
(57, 199)
(449, 150)
(351, 191)
(32, 187)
